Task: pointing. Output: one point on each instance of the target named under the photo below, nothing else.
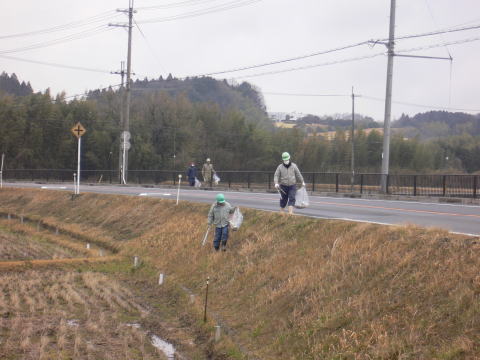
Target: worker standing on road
(219, 215)
(207, 172)
(286, 177)
(192, 174)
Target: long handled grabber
(206, 236)
(280, 189)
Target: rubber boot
(290, 210)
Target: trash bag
(236, 219)
(216, 179)
(301, 200)
(197, 183)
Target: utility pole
(126, 123)
(122, 124)
(388, 101)
(353, 141)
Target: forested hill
(12, 86)
(437, 124)
(240, 97)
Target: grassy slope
(297, 288)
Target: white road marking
(54, 187)
(147, 194)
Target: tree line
(170, 130)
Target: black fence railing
(467, 186)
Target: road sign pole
(78, 164)
(124, 163)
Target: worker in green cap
(219, 215)
(286, 177)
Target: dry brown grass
(16, 246)
(296, 288)
(68, 319)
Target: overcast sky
(259, 31)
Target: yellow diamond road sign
(78, 130)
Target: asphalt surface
(463, 219)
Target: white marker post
(75, 183)
(178, 191)
(78, 164)
(78, 130)
(1, 172)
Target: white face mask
(286, 162)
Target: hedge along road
(463, 219)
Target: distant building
(282, 116)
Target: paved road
(456, 218)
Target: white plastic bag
(236, 219)
(301, 200)
(197, 183)
(216, 179)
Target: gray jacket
(288, 176)
(219, 214)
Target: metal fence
(413, 185)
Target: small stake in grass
(21, 219)
(206, 301)
(38, 226)
(9, 217)
(135, 261)
(218, 333)
(56, 231)
(100, 252)
(88, 246)
(192, 299)
(160, 279)
(179, 182)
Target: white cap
(208, 159)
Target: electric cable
(82, 68)
(201, 12)
(421, 105)
(74, 24)
(81, 35)
(175, 5)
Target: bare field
(16, 246)
(68, 315)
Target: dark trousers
(191, 181)
(221, 234)
(288, 195)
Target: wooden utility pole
(388, 101)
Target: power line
(71, 25)
(176, 5)
(54, 64)
(358, 58)
(421, 105)
(81, 35)
(201, 12)
(432, 33)
(150, 47)
(289, 59)
(306, 95)
(345, 47)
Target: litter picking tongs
(280, 189)
(206, 236)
